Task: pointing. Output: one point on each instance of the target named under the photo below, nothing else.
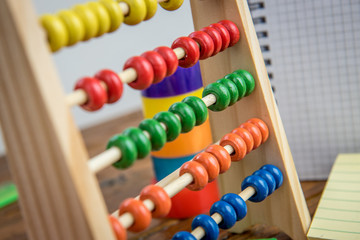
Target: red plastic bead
(237, 143)
(255, 132)
(205, 42)
(210, 163)
(119, 230)
(225, 35)
(192, 52)
(222, 156)
(96, 93)
(144, 70)
(160, 199)
(262, 127)
(246, 136)
(215, 36)
(170, 59)
(142, 215)
(233, 31)
(158, 64)
(198, 172)
(114, 84)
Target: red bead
(198, 172)
(222, 156)
(158, 64)
(255, 132)
(246, 136)
(210, 163)
(119, 230)
(233, 31)
(205, 42)
(170, 59)
(192, 52)
(96, 94)
(144, 71)
(114, 84)
(237, 143)
(225, 36)
(160, 199)
(141, 215)
(215, 36)
(262, 127)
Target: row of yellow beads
(93, 19)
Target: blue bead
(237, 203)
(226, 211)
(276, 172)
(260, 185)
(183, 236)
(268, 177)
(208, 224)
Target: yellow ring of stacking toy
(74, 26)
(115, 13)
(89, 20)
(137, 12)
(56, 31)
(102, 15)
(171, 5)
(151, 8)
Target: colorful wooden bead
(192, 52)
(226, 211)
(237, 143)
(142, 143)
(262, 127)
(151, 7)
(199, 108)
(198, 172)
(173, 124)
(231, 87)
(102, 16)
(276, 173)
(186, 114)
(160, 199)
(119, 230)
(158, 65)
(237, 203)
(239, 82)
(268, 177)
(156, 132)
(141, 215)
(233, 31)
(205, 42)
(171, 5)
(246, 136)
(170, 59)
(74, 26)
(115, 13)
(144, 71)
(137, 11)
(210, 163)
(89, 20)
(183, 235)
(260, 186)
(113, 82)
(222, 156)
(96, 94)
(57, 33)
(128, 150)
(208, 224)
(216, 38)
(225, 36)
(249, 80)
(221, 93)
(255, 133)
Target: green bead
(239, 82)
(172, 123)
(156, 131)
(142, 143)
(249, 80)
(127, 148)
(186, 114)
(230, 85)
(199, 108)
(221, 93)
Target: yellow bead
(88, 19)
(74, 26)
(137, 12)
(171, 5)
(115, 13)
(102, 16)
(151, 7)
(56, 31)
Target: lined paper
(338, 212)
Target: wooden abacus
(60, 197)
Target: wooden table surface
(117, 185)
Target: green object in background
(8, 194)
(265, 239)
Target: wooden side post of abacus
(287, 208)
(59, 197)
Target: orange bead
(222, 156)
(119, 230)
(246, 136)
(210, 163)
(142, 215)
(160, 199)
(238, 145)
(198, 172)
(255, 132)
(262, 126)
